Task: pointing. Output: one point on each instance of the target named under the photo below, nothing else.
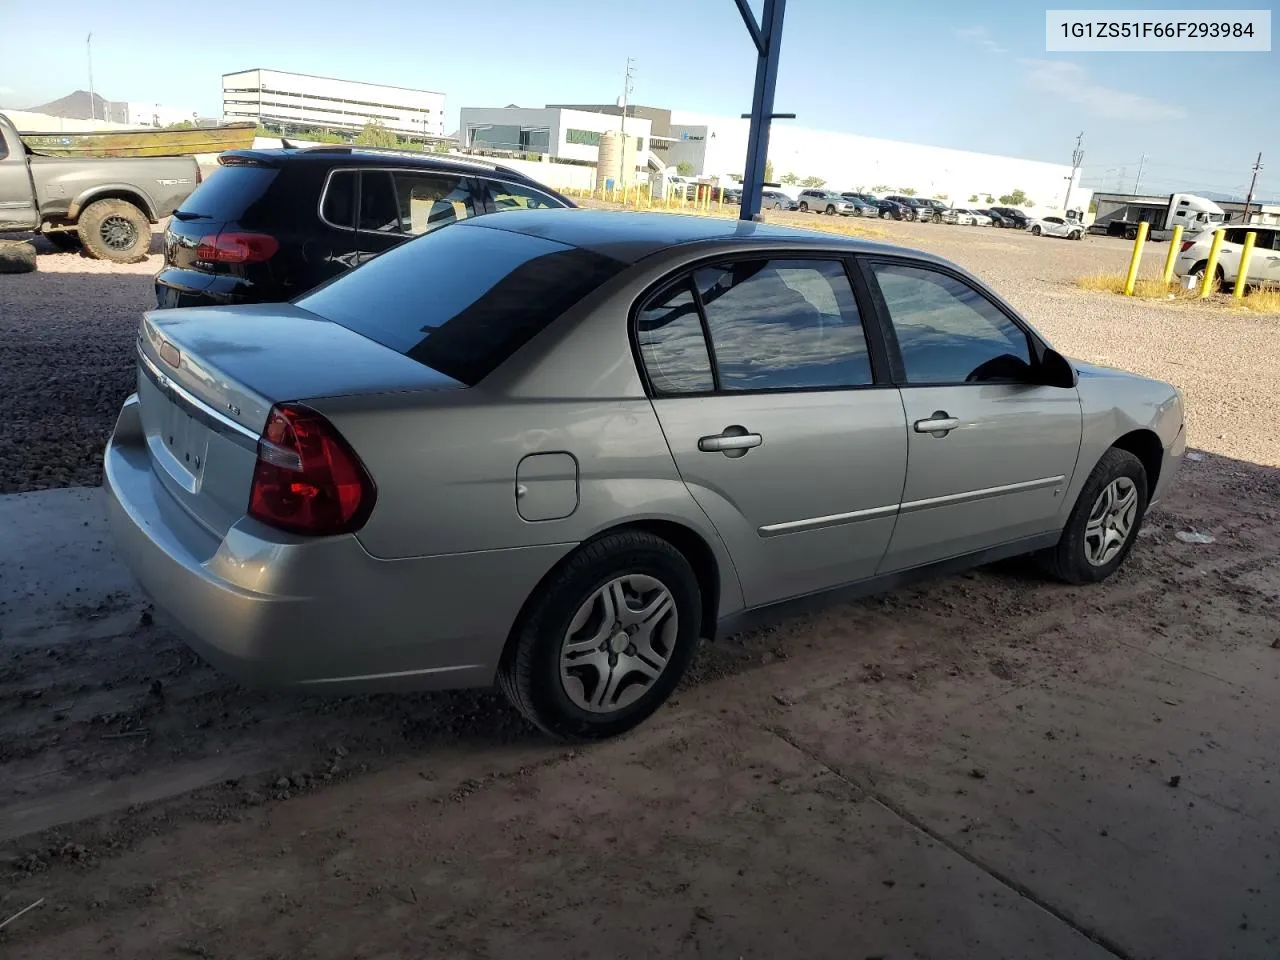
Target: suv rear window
(461, 300)
(228, 192)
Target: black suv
(271, 224)
(1017, 218)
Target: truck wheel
(1131, 233)
(17, 256)
(66, 240)
(115, 230)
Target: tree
(907, 191)
(973, 198)
(942, 196)
(990, 198)
(440, 146)
(812, 182)
(881, 188)
(376, 135)
(790, 179)
(1016, 198)
(684, 168)
(768, 171)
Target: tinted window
(947, 331)
(512, 196)
(784, 324)
(379, 211)
(339, 202)
(228, 192)
(672, 345)
(429, 201)
(461, 301)
(1234, 236)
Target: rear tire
(561, 680)
(886, 215)
(17, 256)
(115, 230)
(1094, 542)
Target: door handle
(940, 424)
(734, 441)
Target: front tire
(606, 639)
(115, 230)
(1035, 231)
(1104, 523)
(804, 207)
(830, 211)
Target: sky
(969, 74)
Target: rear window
(461, 300)
(228, 192)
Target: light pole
(1077, 158)
(93, 106)
(626, 89)
(1248, 200)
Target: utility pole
(93, 106)
(626, 90)
(1077, 158)
(1248, 200)
(1142, 161)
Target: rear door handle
(734, 441)
(940, 424)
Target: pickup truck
(105, 203)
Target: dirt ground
(985, 766)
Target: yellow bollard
(1211, 267)
(1135, 261)
(1175, 242)
(1242, 278)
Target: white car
(1056, 227)
(966, 217)
(1264, 263)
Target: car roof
(630, 237)
(337, 154)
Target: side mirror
(1057, 371)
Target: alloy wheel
(618, 643)
(118, 233)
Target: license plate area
(186, 441)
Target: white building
(717, 146)
(280, 100)
(556, 132)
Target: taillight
(234, 246)
(307, 479)
(1187, 245)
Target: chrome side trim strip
(398, 674)
(196, 408)
(834, 520)
(973, 495)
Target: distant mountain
(83, 105)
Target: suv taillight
(307, 479)
(1187, 245)
(236, 246)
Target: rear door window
(379, 211)
(462, 301)
(428, 201)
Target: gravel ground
(68, 331)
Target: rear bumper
(275, 610)
(178, 287)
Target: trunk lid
(208, 377)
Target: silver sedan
(555, 449)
